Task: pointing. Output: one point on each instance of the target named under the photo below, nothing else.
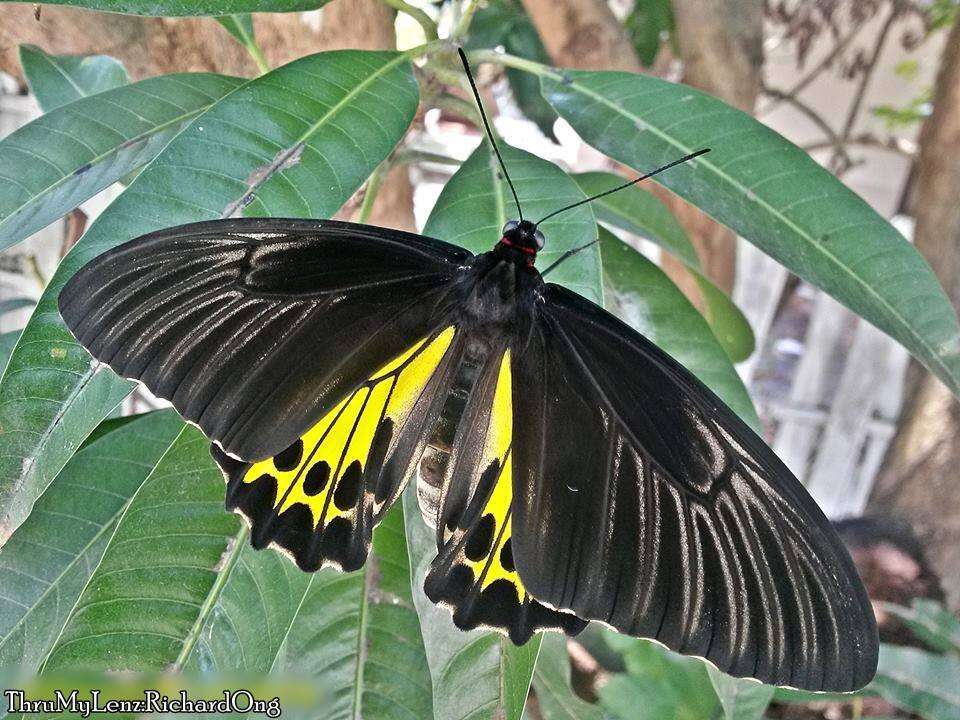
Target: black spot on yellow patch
(481, 539)
(289, 458)
(348, 489)
(506, 556)
(317, 478)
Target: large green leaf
(642, 295)
(172, 551)
(475, 203)
(180, 587)
(770, 192)
(356, 634)
(643, 214)
(359, 634)
(100, 139)
(931, 623)
(551, 681)
(740, 698)
(637, 211)
(175, 8)
(47, 562)
(658, 684)
(295, 142)
(60, 79)
(919, 682)
(476, 675)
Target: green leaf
(476, 675)
(240, 26)
(658, 684)
(647, 24)
(173, 548)
(8, 341)
(504, 22)
(729, 325)
(792, 695)
(637, 211)
(475, 204)
(57, 80)
(643, 214)
(47, 562)
(930, 622)
(551, 681)
(740, 698)
(311, 132)
(642, 295)
(770, 192)
(356, 634)
(919, 682)
(101, 139)
(182, 8)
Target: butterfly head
(522, 235)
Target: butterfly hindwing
(255, 328)
(320, 499)
(474, 573)
(642, 502)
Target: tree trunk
(583, 34)
(152, 46)
(721, 41)
(919, 481)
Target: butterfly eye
(511, 225)
(539, 239)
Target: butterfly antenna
(486, 125)
(625, 185)
(569, 254)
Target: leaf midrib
(933, 354)
(61, 71)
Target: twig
(425, 21)
(812, 75)
(892, 144)
(854, 111)
(833, 140)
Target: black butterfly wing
(254, 328)
(318, 351)
(641, 501)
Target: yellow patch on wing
(323, 470)
(493, 529)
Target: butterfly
(589, 477)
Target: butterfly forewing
(642, 502)
(256, 328)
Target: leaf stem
(425, 21)
(463, 24)
(508, 60)
(373, 188)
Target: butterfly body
(582, 473)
